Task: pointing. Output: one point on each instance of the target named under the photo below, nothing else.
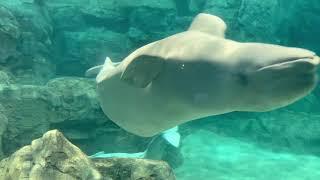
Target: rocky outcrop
(39, 43)
(41, 39)
(97, 29)
(70, 105)
(53, 157)
(27, 31)
(80, 50)
(127, 169)
(67, 104)
(3, 127)
(5, 79)
(9, 34)
(50, 157)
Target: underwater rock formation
(27, 42)
(80, 49)
(67, 104)
(5, 78)
(41, 39)
(49, 157)
(99, 28)
(3, 126)
(53, 157)
(9, 34)
(128, 169)
(40, 42)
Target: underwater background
(47, 45)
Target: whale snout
(282, 76)
(300, 64)
(316, 60)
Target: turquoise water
(47, 46)
(224, 158)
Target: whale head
(275, 76)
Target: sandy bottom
(213, 157)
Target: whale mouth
(308, 63)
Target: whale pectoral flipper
(142, 70)
(209, 24)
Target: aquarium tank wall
(47, 46)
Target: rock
(9, 34)
(127, 169)
(88, 48)
(70, 105)
(249, 20)
(106, 14)
(141, 16)
(226, 9)
(5, 78)
(3, 127)
(142, 20)
(67, 104)
(153, 4)
(39, 42)
(301, 23)
(85, 14)
(32, 29)
(95, 29)
(50, 157)
(66, 11)
(196, 6)
(53, 157)
(257, 21)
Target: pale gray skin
(199, 73)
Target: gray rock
(67, 104)
(53, 157)
(3, 127)
(107, 14)
(228, 10)
(134, 169)
(196, 6)
(154, 4)
(30, 63)
(38, 41)
(5, 79)
(142, 19)
(49, 157)
(88, 48)
(46, 41)
(257, 20)
(9, 34)
(301, 23)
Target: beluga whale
(199, 73)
